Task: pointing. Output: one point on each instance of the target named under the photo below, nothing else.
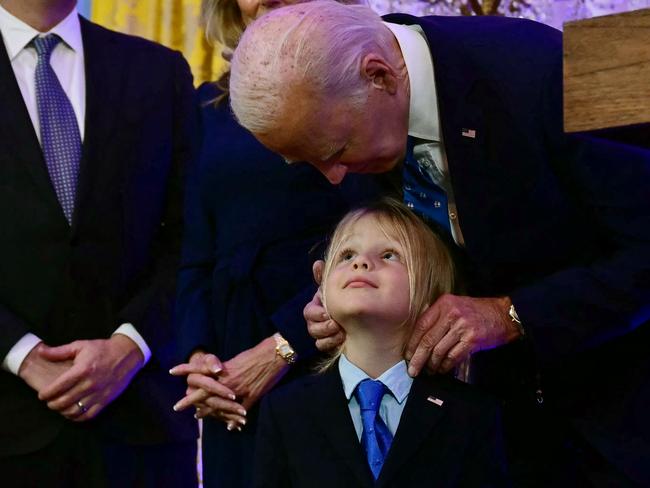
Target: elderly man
(554, 231)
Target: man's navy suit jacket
(117, 261)
(306, 438)
(559, 223)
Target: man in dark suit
(553, 230)
(449, 435)
(96, 130)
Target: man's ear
(379, 72)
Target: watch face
(285, 349)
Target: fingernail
(232, 397)
(411, 371)
(196, 416)
(239, 429)
(171, 371)
(216, 369)
(241, 411)
(175, 407)
(229, 427)
(242, 421)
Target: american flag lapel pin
(471, 133)
(435, 401)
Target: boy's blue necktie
(421, 193)
(375, 438)
(60, 138)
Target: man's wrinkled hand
(328, 334)
(101, 370)
(455, 327)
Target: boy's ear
(317, 270)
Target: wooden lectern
(607, 75)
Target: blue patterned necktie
(375, 438)
(421, 193)
(60, 138)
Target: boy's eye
(346, 255)
(390, 256)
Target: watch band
(284, 349)
(514, 317)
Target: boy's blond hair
(428, 263)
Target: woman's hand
(252, 373)
(204, 391)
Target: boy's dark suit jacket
(561, 224)
(306, 438)
(117, 261)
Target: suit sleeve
(586, 305)
(271, 467)
(12, 329)
(149, 305)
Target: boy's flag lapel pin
(435, 401)
(471, 133)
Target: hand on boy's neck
(454, 328)
(328, 334)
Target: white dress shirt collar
(396, 379)
(423, 106)
(17, 34)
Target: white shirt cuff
(17, 354)
(129, 331)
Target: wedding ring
(82, 407)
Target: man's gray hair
(317, 45)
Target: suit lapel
(23, 142)
(332, 416)
(105, 78)
(418, 419)
(460, 119)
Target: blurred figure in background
(251, 221)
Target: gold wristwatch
(284, 349)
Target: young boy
(364, 421)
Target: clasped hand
(88, 374)
(226, 391)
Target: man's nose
(335, 173)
